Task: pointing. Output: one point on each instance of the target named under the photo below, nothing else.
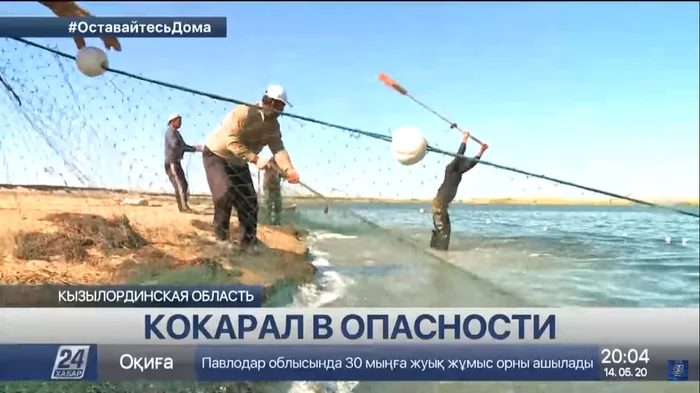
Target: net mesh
(64, 129)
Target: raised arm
(469, 163)
(66, 9)
(462, 148)
(71, 9)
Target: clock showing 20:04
(629, 356)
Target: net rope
(84, 129)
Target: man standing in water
(234, 144)
(273, 193)
(447, 192)
(175, 149)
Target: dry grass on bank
(92, 238)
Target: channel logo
(71, 362)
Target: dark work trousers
(442, 230)
(231, 187)
(179, 182)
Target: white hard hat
(276, 92)
(173, 117)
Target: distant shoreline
(504, 201)
(550, 201)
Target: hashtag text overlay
(47, 27)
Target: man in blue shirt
(175, 149)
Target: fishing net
(65, 130)
(107, 132)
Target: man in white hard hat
(234, 144)
(175, 149)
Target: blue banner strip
(281, 362)
(48, 27)
(46, 362)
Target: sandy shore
(91, 237)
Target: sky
(602, 94)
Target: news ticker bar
(49, 27)
(134, 296)
(546, 362)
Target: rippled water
(567, 256)
(507, 256)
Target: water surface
(509, 256)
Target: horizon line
(542, 200)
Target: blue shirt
(175, 146)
